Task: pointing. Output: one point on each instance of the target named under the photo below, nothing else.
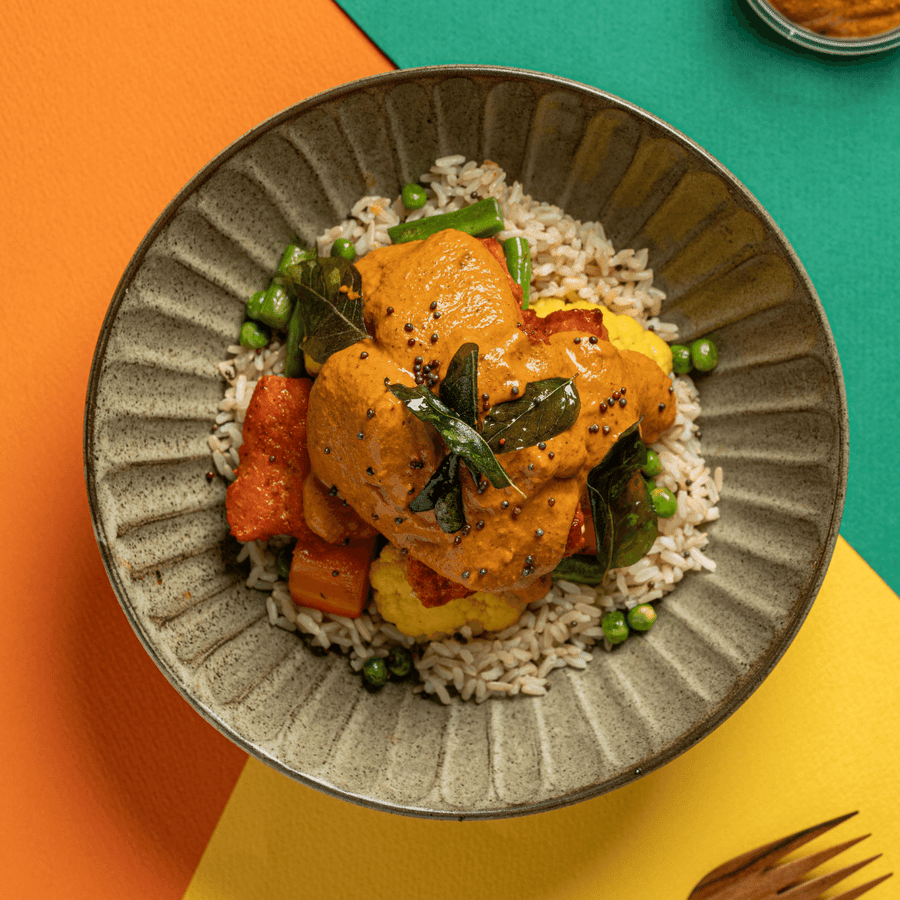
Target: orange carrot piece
(267, 497)
(331, 577)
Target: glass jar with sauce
(839, 27)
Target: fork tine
(853, 893)
(757, 860)
(791, 872)
(813, 889)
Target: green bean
(254, 335)
(293, 355)
(413, 196)
(277, 307)
(293, 255)
(481, 219)
(518, 261)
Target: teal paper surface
(815, 138)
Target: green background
(815, 138)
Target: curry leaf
(625, 522)
(329, 297)
(443, 494)
(448, 509)
(546, 409)
(459, 387)
(460, 438)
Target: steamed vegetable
(413, 196)
(331, 577)
(481, 219)
(276, 307)
(254, 335)
(704, 355)
(641, 617)
(518, 261)
(344, 249)
(615, 629)
(375, 671)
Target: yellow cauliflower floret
(398, 604)
(625, 333)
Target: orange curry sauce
(424, 299)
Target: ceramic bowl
(774, 418)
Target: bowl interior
(774, 417)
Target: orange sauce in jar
(842, 18)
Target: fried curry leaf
(624, 519)
(460, 438)
(546, 409)
(459, 387)
(443, 494)
(448, 509)
(329, 296)
(635, 522)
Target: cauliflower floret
(398, 604)
(625, 333)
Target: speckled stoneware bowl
(774, 418)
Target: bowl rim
(813, 40)
(749, 682)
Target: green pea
(375, 672)
(399, 661)
(641, 617)
(681, 359)
(413, 196)
(614, 627)
(651, 485)
(704, 355)
(254, 335)
(344, 248)
(665, 504)
(254, 304)
(653, 466)
(283, 562)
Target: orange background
(110, 783)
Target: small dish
(823, 43)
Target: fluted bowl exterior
(774, 417)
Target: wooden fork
(757, 875)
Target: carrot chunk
(331, 577)
(267, 497)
